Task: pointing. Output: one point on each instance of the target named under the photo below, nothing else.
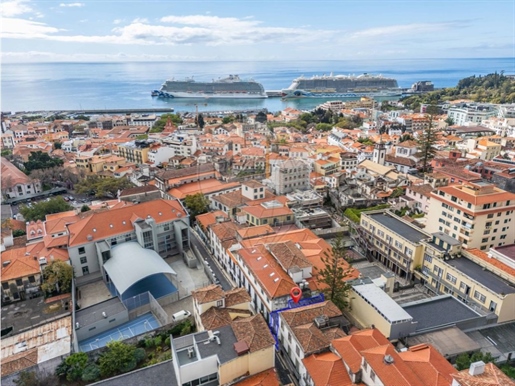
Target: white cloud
(25, 29)
(117, 21)
(140, 20)
(405, 29)
(70, 5)
(14, 8)
(44, 56)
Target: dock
(98, 111)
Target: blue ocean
(81, 86)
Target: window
(32, 279)
(428, 258)
(297, 350)
(82, 250)
(83, 260)
(479, 296)
(85, 270)
(372, 375)
(5, 285)
(19, 282)
(493, 306)
(219, 303)
(451, 278)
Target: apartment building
(15, 183)
(307, 330)
(244, 347)
(134, 151)
(161, 225)
(272, 213)
(479, 214)
(464, 113)
(22, 269)
(392, 241)
(481, 280)
(290, 175)
(181, 144)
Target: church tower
(379, 155)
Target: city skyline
(48, 31)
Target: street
(195, 241)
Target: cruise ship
(342, 86)
(229, 87)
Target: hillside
(492, 88)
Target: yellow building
(271, 213)
(96, 164)
(136, 151)
(392, 241)
(474, 278)
(480, 215)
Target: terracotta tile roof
(24, 261)
(349, 348)
(492, 376)
(288, 255)
(208, 294)
(254, 331)
(391, 374)
(497, 195)
(180, 173)
(304, 315)
(327, 369)
(215, 317)
(225, 230)
(139, 190)
(260, 211)
(20, 361)
(209, 218)
(492, 261)
(236, 296)
(272, 278)
(264, 378)
(98, 225)
(208, 186)
(255, 231)
(429, 365)
(58, 224)
(424, 189)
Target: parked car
(178, 316)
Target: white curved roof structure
(130, 263)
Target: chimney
(477, 368)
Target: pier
(97, 111)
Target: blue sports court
(140, 325)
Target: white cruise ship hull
(228, 95)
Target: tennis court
(140, 325)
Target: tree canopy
(493, 88)
(38, 211)
(196, 204)
(427, 141)
(119, 358)
(57, 277)
(58, 175)
(161, 122)
(335, 271)
(102, 187)
(40, 160)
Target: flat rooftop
(438, 311)
(399, 227)
(27, 314)
(484, 277)
(506, 250)
(495, 339)
(449, 341)
(92, 314)
(162, 374)
(379, 299)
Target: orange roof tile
(327, 369)
(264, 378)
(99, 226)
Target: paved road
(284, 374)
(195, 242)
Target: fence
(137, 301)
(158, 311)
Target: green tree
(463, 361)
(196, 204)
(228, 119)
(58, 145)
(39, 210)
(163, 119)
(85, 208)
(199, 120)
(366, 141)
(449, 121)
(119, 358)
(76, 363)
(336, 270)
(41, 160)
(6, 152)
(58, 175)
(324, 127)
(57, 276)
(508, 370)
(19, 233)
(82, 117)
(428, 139)
(102, 187)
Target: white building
(182, 144)
(472, 113)
(290, 175)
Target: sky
(208, 30)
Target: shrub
(139, 355)
(186, 329)
(168, 341)
(119, 357)
(91, 373)
(158, 340)
(77, 362)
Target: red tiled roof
(327, 369)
